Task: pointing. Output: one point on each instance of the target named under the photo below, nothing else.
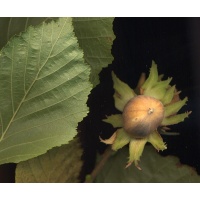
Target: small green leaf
(136, 147)
(59, 165)
(175, 107)
(175, 119)
(168, 95)
(158, 91)
(95, 36)
(156, 140)
(153, 77)
(155, 169)
(44, 86)
(121, 139)
(123, 93)
(115, 120)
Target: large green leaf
(155, 169)
(58, 165)
(44, 85)
(11, 26)
(95, 36)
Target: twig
(90, 178)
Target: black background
(174, 44)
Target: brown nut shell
(142, 115)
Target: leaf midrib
(24, 153)
(20, 104)
(49, 121)
(35, 141)
(50, 105)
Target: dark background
(174, 44)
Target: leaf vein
(54, 120)
(46, 91)
(31, 142)
(51, 49)
(26, 63)
(20, 104)
(26, 23)
(39, 57)
(11, 81)
(8, 31)
(57, 69)
(1, 124)
(49, 106)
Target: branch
(91, 177)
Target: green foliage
(11, 26)
(44, 86)
(58, 165)
(155, 169)
(95, 36)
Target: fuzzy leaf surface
(95, 36)
(11, 26)
(155, 169)
(44, 86)
(58, 165)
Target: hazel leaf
(155, 169)
(59, 165)
(44, 86)
(95, 36)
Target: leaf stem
(108, 152)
